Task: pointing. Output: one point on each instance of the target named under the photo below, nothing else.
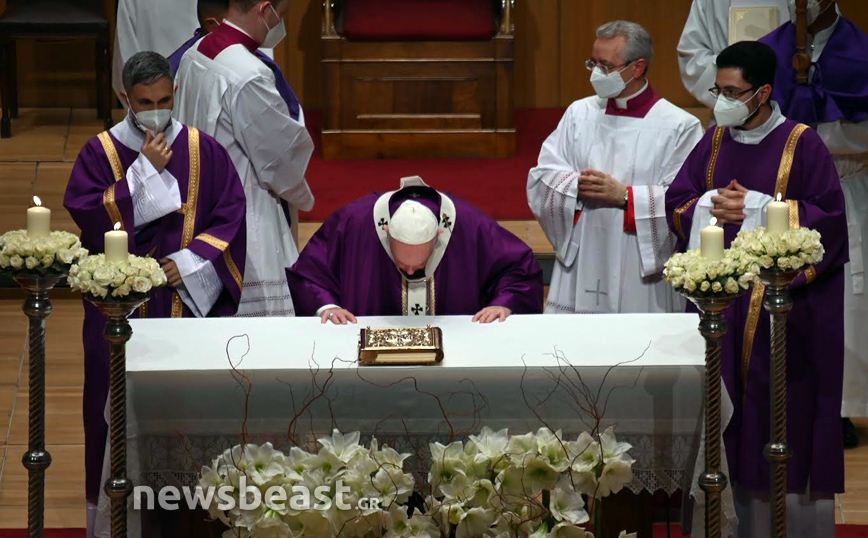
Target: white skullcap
(413, 224)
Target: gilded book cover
(401, 345)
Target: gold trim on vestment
(787, 161)
(794, 213)
(108, 197)
(189, 208)
(223, 246)
(715, 150)
(756, 298)
(676, 218)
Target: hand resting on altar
(729, 204)
(338, 316)
(491, 313)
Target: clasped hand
(729, 204)
(601, 187)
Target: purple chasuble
(815, 326)
(839, 88)
(95, 199)
(280, 82)
(345, 264)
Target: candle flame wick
(117, 226)
(779, 197)
(713, 221)
(37, 201)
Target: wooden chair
(53, 19)
(394, 96)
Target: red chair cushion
(419, 20)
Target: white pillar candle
(38, 220)
(778, 216)
(711, 241)
(116, 241)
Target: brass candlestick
(778, 303)
(36, 460)
(712, 326)
(118, 333)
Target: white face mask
(276, 34)
(813, 10)
(608, 86)
(154, 121)
(732, 112)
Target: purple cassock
(346, 263)
(815, 326)
(280, 82)
(839, 87)
(211, 224)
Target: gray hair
(638, 39)
(145, 68)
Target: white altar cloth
(185, 406)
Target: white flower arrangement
(492, 486)
(135, 276)
(693, 275)
(51, 254)
(790, 250)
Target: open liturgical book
(400, 345)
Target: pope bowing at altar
(413, 252)
(176, 193)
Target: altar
(196, 387)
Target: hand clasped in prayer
(599, 186)
(172, 273)
(729, 204)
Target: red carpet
(496, 186)
(844, 531)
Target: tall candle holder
(118, 332)
(37, 307)
(712, 326)
(778, 303)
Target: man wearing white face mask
(835, 101)
(227, 91)
(598, 189)
(177, 194)
(756, 153)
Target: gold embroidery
(794, 213)
(404, 293)
(787, 160)
(753, 315)
(233, 269)
(810, 274)
(189, 208)
(219, 244)
(405, 290)
(433, 297)
(676, 218)
(111, 207)
(718, 138)
(112, 153)
(108, 197)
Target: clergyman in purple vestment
(179, 197)
(350, 266)
(732, 174)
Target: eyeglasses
(590, 64)
(729, 94)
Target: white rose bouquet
(103, 280)
(789, 251)
(51, 254)
(497, 486)
(693, 275)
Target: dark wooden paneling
(552, 40)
